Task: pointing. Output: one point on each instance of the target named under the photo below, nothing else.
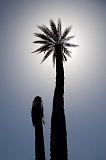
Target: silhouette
(37, 120)
(56, 42)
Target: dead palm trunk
(37, 115)
(58, 144)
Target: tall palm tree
(55, 42)
(37, 117)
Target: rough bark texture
(58, 144)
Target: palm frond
(54, 58)
(66, 31)
(59, 28)
(43, 48)
(54, 29)
(66, 51)
(64, 58)
(68, 38)
(42, 36)
(41, 42)
(70, 45)
(47, 55)
(46, 31)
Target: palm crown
(52, 38)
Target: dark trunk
(58, 144)
(39, 141)
(37, 115)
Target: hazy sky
(22, 77)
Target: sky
(22, 77)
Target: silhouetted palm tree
(56, 42)
(37, 120)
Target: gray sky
(22, 77)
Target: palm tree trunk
(39, 141)
(58, 144)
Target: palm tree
(55, 42)
(37, 116)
